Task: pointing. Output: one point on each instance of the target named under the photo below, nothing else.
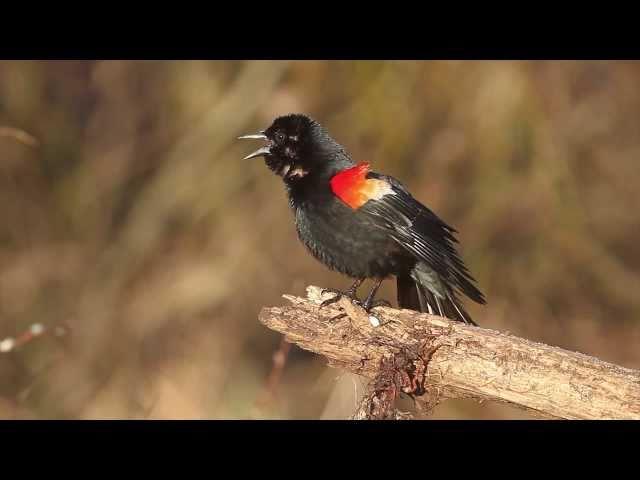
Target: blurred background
(140, 247)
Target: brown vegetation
(127, 216)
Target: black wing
(424, 234)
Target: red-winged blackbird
(364, 224)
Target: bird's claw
(338, 295)
(367, 307)
(377, 303)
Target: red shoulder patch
(347, 185)
(353, 188)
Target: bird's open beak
(266, 150)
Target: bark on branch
(432, 359)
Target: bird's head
(297, 145)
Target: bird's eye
(280, 137)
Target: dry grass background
(127, 215)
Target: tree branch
(432, 359)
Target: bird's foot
(367, 306)
(350, 294)
(371, 305)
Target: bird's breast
(346, 240)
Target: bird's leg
(350, 293)
(369, 303)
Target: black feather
(420, 231)
(414, 296)
(407, 293)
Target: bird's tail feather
(417, 297)
(408, 296)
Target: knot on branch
(403, 372)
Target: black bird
(364, 224)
